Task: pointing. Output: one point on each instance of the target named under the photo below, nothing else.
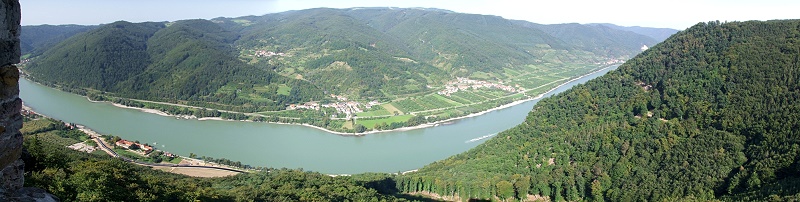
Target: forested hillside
(598, 39)
(659, 34)
(362, 53)
(189, 60)
(34, 40)
(711, 113)
(98, 59)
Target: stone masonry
(11, 166)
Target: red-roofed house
(125, 144)
(145, 148)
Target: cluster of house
(128, 144)
(465, 83)
(349, 107)
(343, 106)
(307, 105)
(70, 126)
(263, 53)
(612, 61)
(171, 155)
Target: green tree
(521, 186)
(505, 190)
(360, 128)
(597, 191)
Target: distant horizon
(344, 9)
(679, 14)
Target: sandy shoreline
(145, 110)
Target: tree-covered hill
(98, 59)
(265, 63)
(336, 51)
(711, 113)
(191, 60)
(391, 51)
(596, 39)
(36, 39)
(659, 34)
(363, 53)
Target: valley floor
(372, 120)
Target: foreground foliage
(709, 113)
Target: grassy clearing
(408, 105)
(481, 76)
(283, 89)
(461, 101)
(380, 112)
(242, 22)
(53, 137)
(128, 153)
(347, 125)
(37, 125)
(391, 109)
(176, 160)
(388, 120)
(447, 100)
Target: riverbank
(187, 166)
(280, 146)
(421, 126)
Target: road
(111, 152)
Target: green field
(176, 160)
(391, 108)
(284, 90)
(389, 120)
(380, 112)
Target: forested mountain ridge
(189, 60)
(597, 39)
(659, 34)
(378, 52)
(708, 114)
(401, 51)
(37, 39)
(101, 58)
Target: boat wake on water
(480, 138)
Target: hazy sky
(678, 14)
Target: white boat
(480, 138)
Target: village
(465, 83)
(613, 61)
(263, 53)
(343, 105)
(349, 108)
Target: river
(282, 146)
